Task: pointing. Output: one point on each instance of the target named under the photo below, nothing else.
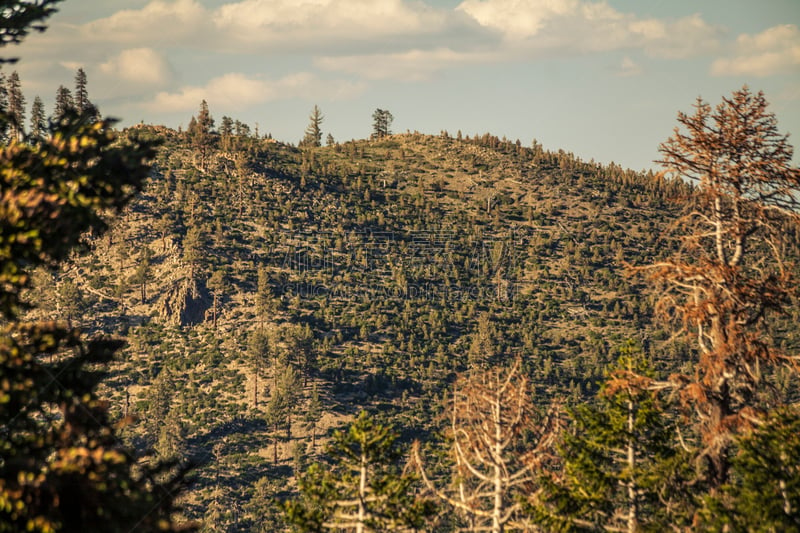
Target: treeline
(13, 101)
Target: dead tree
(491, 414)
(731, 272)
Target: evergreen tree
(216, 284)
(20, 17)
(265, 299)
(764, 492)
(282, 404)
(38, 119)
(313, 415)
(622, 466)
(64, 104)
(200, 132)
(226, 132)
(81, 97)
(363, 489)
(381, 123)
(241, 129)
(4, 124)
(15, 106)
(313, 135)
(329, 140)
(61, 466)
(260, 351)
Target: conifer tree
(200, 133)
(38, 119)
(731, 274)
(623, 467)
(363, 489)
(260, 350)
(4, 125)
(216, 284)
(381, 123)
(226, 132)
(313, 135)
(764, 491)
(20, 17)
(16, 105)
(64, 104)
(81, 97)
(313, 415)
(281, 405)
(61, 467)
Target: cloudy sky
(603, 79)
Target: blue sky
(602, 79)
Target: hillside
(375, 271)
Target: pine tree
(81, 97)
(313, 415)
(381, 123)
(4, 126)
(61, 466)
(282, 404)
(226, 132)
(16, 105)
(623, 468)
(363, 489)
(216, 284)
(20, 17)
(200, 132)
(731, 273)
(64, 104)
(260, 351)
(38, 119)
(764, 492)
(313, 135)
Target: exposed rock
(184, 303)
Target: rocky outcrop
(184, 303)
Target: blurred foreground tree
(61, 466)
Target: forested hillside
(210, 330)
(269, 293)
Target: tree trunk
(632, 505)
(275, 445)
(362, 494)
(255, 390)
(215, 310)
(497, 511)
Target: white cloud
(287, 23)
(138, 65)
(628, 68)
(582, 26)
(162, 21)
(235, 91)
(516, 18)
(269, 20)
(413, 65)
(775, 50)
